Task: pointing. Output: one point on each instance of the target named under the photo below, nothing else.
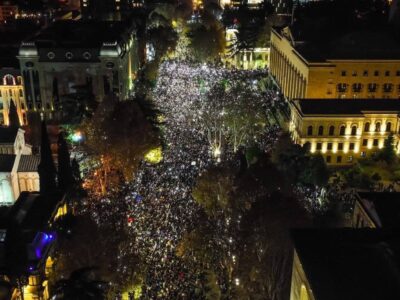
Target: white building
(18, 167)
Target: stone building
(359, 64)
(67, 57)
(18, 167)
(343, 131)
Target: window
(321, 130)
(331, 130)
(357, 87)
(387, 73)
(329, 146)
(372, 87)
(340, 146)
(398, 73)
(319, 146)
(375, 143)
(309, 130)
(339, 159)
(363, 154)
(388, 126)
(365, 73)
(342, 87)
(366, 127)
(343, 73)
(328, 159)
(376, 73)
(353, 130)
(365, 142)
(377, 127)
(342, 130)
(387, 87)
(351, 146)
(354, 73)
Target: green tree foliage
(298, 164)
(82, 284)
(213, 190)
(388, 153)
(46, 169)
(207, 44)
(13, 115)
(120, 134)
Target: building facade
(11, 89)
(342, 72)
(68, 56)
(343, 131)
(18, 167)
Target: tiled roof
(346, 106)
(8, 134)
(6, 162)
(29, 163)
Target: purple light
(31, 268)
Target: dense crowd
(159, 206)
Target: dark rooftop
(350, 264)
(29, 163)
(6, 162)
(386, 205)
(8, 135)
(346, 106)
(344, 29)
(80, 34)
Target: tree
(13, 119)
(81, 285)
(207, 44)
(388, 153)
(118, 136)
(65, 177)
(213, 190)
(46, 169)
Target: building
(342, 130)
(346, 264)
(27, 240)
(67, 57)
(105, 9)
(11, 89)
(11, 83)
(358, 64)
(376, 210)
(18, 167)
(8, 10)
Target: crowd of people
(158, 205)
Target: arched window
(378, 127)
(8, 80)
(342, 130)
(321, 130)
(353, 130)
(366, 127)
(388, 126)
(332, 130)
(309, 130)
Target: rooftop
(80, 34)
(350, 264)
(346, 107)
(385, 204)
(8, 135)
(29, 163)
(6, 162)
